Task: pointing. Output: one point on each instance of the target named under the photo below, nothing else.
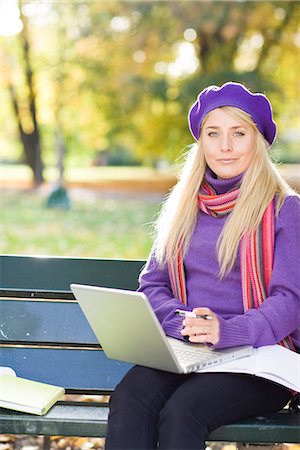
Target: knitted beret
(233, 94)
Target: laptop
(128, 330)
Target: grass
(95, 226)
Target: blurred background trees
(111, 82)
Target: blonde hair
(259, 185)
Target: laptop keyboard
(191, 353)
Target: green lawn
(95, 226)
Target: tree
(30, 137)
(109, 78)
(239, 41)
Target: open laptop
(128, 330)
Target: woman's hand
(202, 330)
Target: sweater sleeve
(154, 282)
(279, 314)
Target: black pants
(154, 409)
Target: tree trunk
(31, 141)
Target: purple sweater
(276, 318)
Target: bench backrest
(43, 333)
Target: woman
(227, 246)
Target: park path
(122, 180)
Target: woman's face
(228, 144)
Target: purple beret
(233, 94)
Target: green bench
(44, 336)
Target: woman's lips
(227, 160)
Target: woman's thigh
(147, 383)
(135, 407)
(179, 411)
(213, 399)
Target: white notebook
(7, 371)
(272, 362)
(25, 395)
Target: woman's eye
(239, 133)
(212, 134)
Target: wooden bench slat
(62, 419)
(91, 420)
(56, 273)
(43, 321)
(74, 369)
(272, 428)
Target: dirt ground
(23, 442)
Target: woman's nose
(226, 144)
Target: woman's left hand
(202, 330)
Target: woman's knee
(142, 385)
(130, 387)
(180, 424)
(183, 409)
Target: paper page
(279, 363)
(7, 371)
(272, 362)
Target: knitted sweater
(276, 318)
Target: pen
(182, 313)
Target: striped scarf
(256, 253)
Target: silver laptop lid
(126, 326)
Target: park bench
(45, 337)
